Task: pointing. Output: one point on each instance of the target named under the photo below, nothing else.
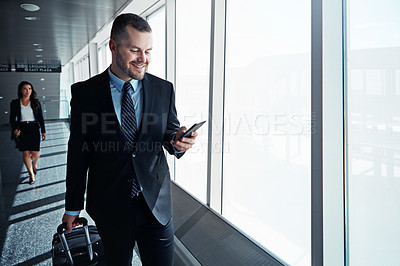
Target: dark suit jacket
(96, 148)
(15, 116)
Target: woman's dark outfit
(29, 139)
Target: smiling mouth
(138, 66)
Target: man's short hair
(128, 19)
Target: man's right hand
(69, 219)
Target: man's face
(131, 56)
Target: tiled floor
(30, 214)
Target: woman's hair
(32, 98)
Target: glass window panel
(157, 24)
(374, 82)
(356, 80)
(267, 162)
(397, 82)
(108, 53)
(373, 132)
(86, 67)
(100, 67)
(192, 86)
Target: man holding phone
(189, 132)
(121, 120)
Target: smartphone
(190, 130)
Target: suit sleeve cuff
(73, 213)
(178, 153)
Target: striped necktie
(129, 128)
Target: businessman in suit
(121, 120)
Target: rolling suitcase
(82, 246)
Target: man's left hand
(185, 143)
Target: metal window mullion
(345, 135)
(316, 137)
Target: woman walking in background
(25, 118)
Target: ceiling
(63, 28)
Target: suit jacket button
(133, 155)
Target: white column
(170, 32)
(216, 106)
(333, 148)
(93, 67)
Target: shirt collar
(119, 83)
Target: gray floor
(30, 214)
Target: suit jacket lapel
(106, 104)
(148, 102)
(19, 110)
(104, 94)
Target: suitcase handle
(61, 233)
(63, 226)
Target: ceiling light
(40, 61)
(6, 112)
(36, 44)
(43, 88)
(30, 7)
(32, 18)
(1, 97)
(42, 79)
(39, 55)
(39, 50)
